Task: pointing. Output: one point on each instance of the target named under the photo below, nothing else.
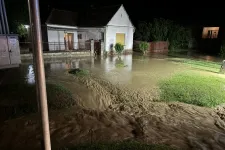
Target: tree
(17, 13)
(143, 32)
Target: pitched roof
(94, 17)
(62, 17)
(98, 17)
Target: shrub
(79, 72)
(119, 48)
(144, 46)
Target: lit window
(210, 32)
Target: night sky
(184, 12)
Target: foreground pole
(40, 72)
(32, 39)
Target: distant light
(27, 26)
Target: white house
(72, 31)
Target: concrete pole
(38, 51)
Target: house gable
(120, 18)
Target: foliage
(22, 31)
(20, 99)
(194, 89)
(164, 30)
(143, 46)
(79, 72)
(179, 37)
(17, 13)
(120, 63)
(143, 32)
(119, 48)
(125, 145)
(222, 50)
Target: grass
(20, 99)
(200, 64)
(79, 72)
(194, 89)
(127, 145)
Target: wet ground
(116, 103)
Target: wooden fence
(154, 47)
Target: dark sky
(182, 11)
(187, 12)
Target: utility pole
(32, 39)
(40, 71)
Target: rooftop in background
(62, 17)
(93, 17)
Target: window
(102, 36)
(79, 36)
(210, 32)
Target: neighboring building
(211, 38)
(210, 32)
(70, 31)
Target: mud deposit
(118, 113)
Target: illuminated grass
(200, 64)
(194, 89)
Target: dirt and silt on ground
(119, 104)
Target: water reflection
(101, 66)
(30, 75)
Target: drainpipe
(2, 18)
(0, 26)
(5, 15)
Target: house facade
(73, 31)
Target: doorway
(70, 41)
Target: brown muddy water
(115, 103)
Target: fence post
(92, 47)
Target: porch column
(102, 48)
(92, 47)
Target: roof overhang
(61, 26)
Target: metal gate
(9, 51)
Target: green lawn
(127, 145)
(199, 64)
(193, 88)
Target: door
(120, 38)
(14, 50)
(4, 51)
(70, 41)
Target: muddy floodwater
(117, 103)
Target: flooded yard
(119, 103)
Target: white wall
(120, 18)
(53, 40)
(111, 36)
(92, 33)
(56, 39)
(120, 23)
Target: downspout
(2, 18)
(5, 15)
